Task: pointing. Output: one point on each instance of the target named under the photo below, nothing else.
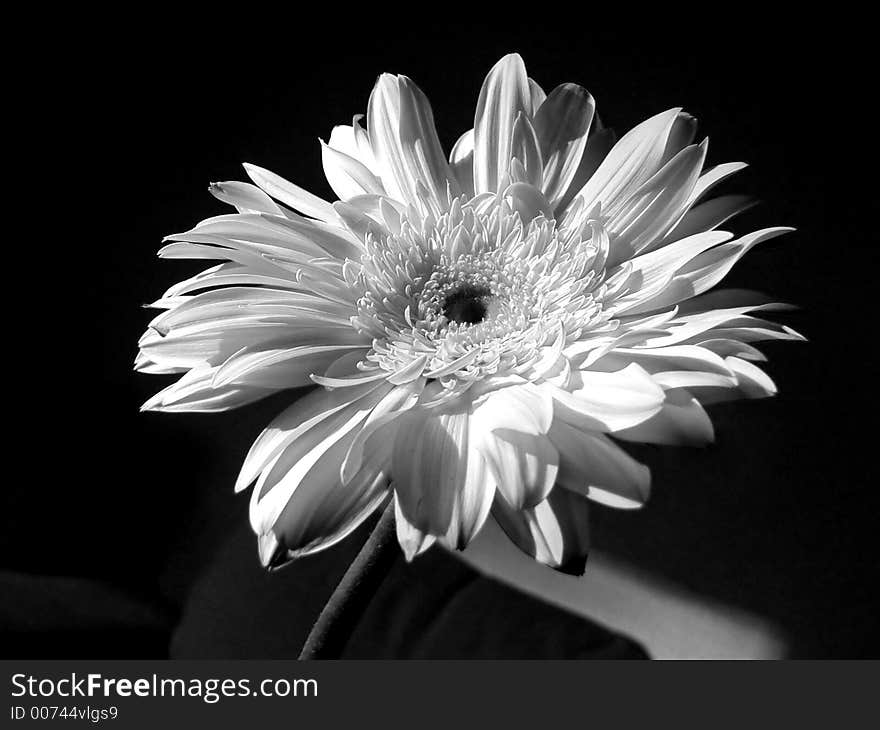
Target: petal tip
(270, 550)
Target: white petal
(703, 271)
(461, 162)
(749, 381)
(220, 304)
(524, 408)
(524, 465)
(409, 372)
(245, 197)
(328, 407)
(706, 270)
(528, 201)
(669, 379)
(653, 272)
(331, 240)
(631, 162)
(429, 464)
(355, 142)
(526, 150)
(709, 215)
(599, 143)
(681, 135)
(607, 402)
(725, 322)
(659, 359)
(714, 175)
(681, 422)
(231, 274)
(412, 540)
(753, 382)
(290, 194)
(321, 511)
(554, 532)
(472, 493)
(193, 393)
(404, 140)
(592, 465)
(655, 208)
(538, 95)
(380, 425)
(562, 124)
(347, 176)
(724, 347)
(508, 429)
(504, 95)
(211, 343)
(281, 368)
(473, 500)
(314, 457)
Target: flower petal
(194, 393)
(281, 368)
(461, 162)
(311, 462)
(708, 216)
(380, 425)
(681, 422)
(606, 402)
(321, 511)
(562, 124)
(630, 163)
(599, 143)
(660, 359)
(405, 143)
(355, 142)
(523, 408)
(526, 150)
(505, 94)
(473, 500)
(591, 465)
(555, 532)
(313, 416)
(245, 197)
(347, 176)
(290, 194)
(429, 463)
(656, 206)
(411, 539)
(701, 272)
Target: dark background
(122, 138)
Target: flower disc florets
(477, 291)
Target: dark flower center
(468, 304)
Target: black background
(123, 136)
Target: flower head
(482, 329)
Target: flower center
(467, 304)
(476, 291)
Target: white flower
(482, 329)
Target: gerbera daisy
(482, 328)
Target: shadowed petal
(608, 402)
(592, 465)
(562, 124)
(429, 464)
(681, 422)
(554, 532)
(311, 417)
(321, 511)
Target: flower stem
(337, 619)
